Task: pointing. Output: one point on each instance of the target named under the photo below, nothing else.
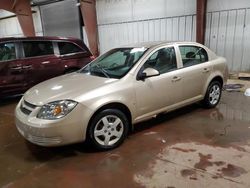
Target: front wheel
(213, 94)
(108, 129)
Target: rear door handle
(45, 62)
(27, 67)
(176, 78)
(205, 70)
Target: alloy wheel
(214, 94)
(108, 130)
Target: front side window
(37, 48)
(115, 63)
(7, 51)
(193, 55)
(68, 48)
(163, 60)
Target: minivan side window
(7, 51)
(163, 60)
(37, 48)
(68, 48)
(193, 55)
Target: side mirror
(148, 72)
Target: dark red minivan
(25, 62)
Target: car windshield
(114, 64)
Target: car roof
(158, 43)
(45, 38)
(77, 41)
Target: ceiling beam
(88, 9)
(23, 11)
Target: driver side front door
(155, 94)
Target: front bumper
(67, 130)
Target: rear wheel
(108, 129)
(213, 94)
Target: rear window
(37, 48)
(69, 48)
(193, 55)
(7, 51)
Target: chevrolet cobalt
(104, 100)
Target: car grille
(44, 140)
(27, 107)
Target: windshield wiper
(102, 70)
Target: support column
(201, 20)
(22, 9)
(88, 9)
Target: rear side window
(68, 48)
(37, 48)
(193, 55)
(7, 51)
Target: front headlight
(56, 110)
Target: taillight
(92, 57)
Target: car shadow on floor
(165, 117)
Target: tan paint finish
(144, 99)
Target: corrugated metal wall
(129, 21)
(123, 22)
(171, 29)
(228, 34)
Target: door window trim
(139, 68)
(84, 51)
(198, 46)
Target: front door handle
(205, 70)
(176, 78)
(16, 68)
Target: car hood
(69, 86)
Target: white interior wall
(221, 5)
(123, 22)
(10, 27)
(228, 34)
(116, 11)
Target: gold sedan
(101, 102)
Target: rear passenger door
(39, 61)
(195, 71)
(12, 80)
(72, 56)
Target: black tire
(208, 100)
(97, 122)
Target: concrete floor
(191, 147)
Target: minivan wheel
(108, 129)
(213, 94)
